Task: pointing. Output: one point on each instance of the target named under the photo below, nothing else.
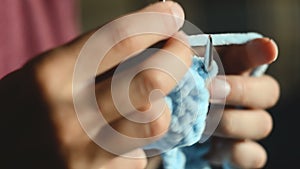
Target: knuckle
(145, 83)
(238, 86)
(243, 88)
(155, 79)
(141, 90)
(47, 77)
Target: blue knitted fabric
(188, 102)
(195, 104)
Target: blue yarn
(194, 156)
(188, 102)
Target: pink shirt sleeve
(29, 27)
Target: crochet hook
(208, 55)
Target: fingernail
(178, 14)
(219, 89)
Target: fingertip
(274, 49)
(178, 12)
(274, 85)
(248, 154)
(271, 49)
(264, 49)
(168, 7)
(268, 125)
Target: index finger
(127, 35)
(239, 59)
(135, 32)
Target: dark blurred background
(277, 19)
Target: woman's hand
(235, 137)
(40, 120)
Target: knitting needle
(208, 55)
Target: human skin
(239, 129)
(38, 103)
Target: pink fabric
(29, 27)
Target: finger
(134, 163)
(239, 154)
(144, 130)
(125, 96)
(237, 59)
(128, 135)
(141, 30)
(167, 67)
(111, 144)
(252, 92)
(240, 124)
(219, 89)
(85, 153)
(126, 36)
(150, 25)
